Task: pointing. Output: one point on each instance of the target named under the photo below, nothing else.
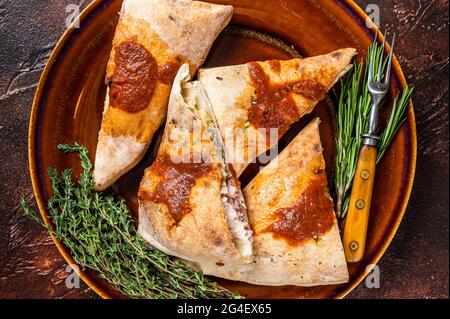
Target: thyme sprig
(101, 234)
(353, 119)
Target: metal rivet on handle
(354, 246)
(365, 175)
(360, 204)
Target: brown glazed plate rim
(352, 10)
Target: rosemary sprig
(352, 121)
(101, 235)
(396, 120)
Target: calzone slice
(190, 202)
(296, 235)
(257, 102)
(152, 40)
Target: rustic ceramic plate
(69, 100)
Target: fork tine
(372, 57)
(380, 66)
(389, 65)
(375, 38)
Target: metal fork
(355, 231)
(378, 89)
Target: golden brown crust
(142, 125)
(173, 32)
(188, 27)
(231, 92)
(202, 235)
(319, 261)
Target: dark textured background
(416, 263)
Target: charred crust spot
(336, 55)
(206, 183)
(142, 194)
(318, 170)
(318, 148)
(218, 241)
(219, 78)
(179, 59)
(220, 263)
(275, 65)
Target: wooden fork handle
(355, 230)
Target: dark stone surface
(416, 263)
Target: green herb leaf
(352, 121)
(101, 235)
(396, 120)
